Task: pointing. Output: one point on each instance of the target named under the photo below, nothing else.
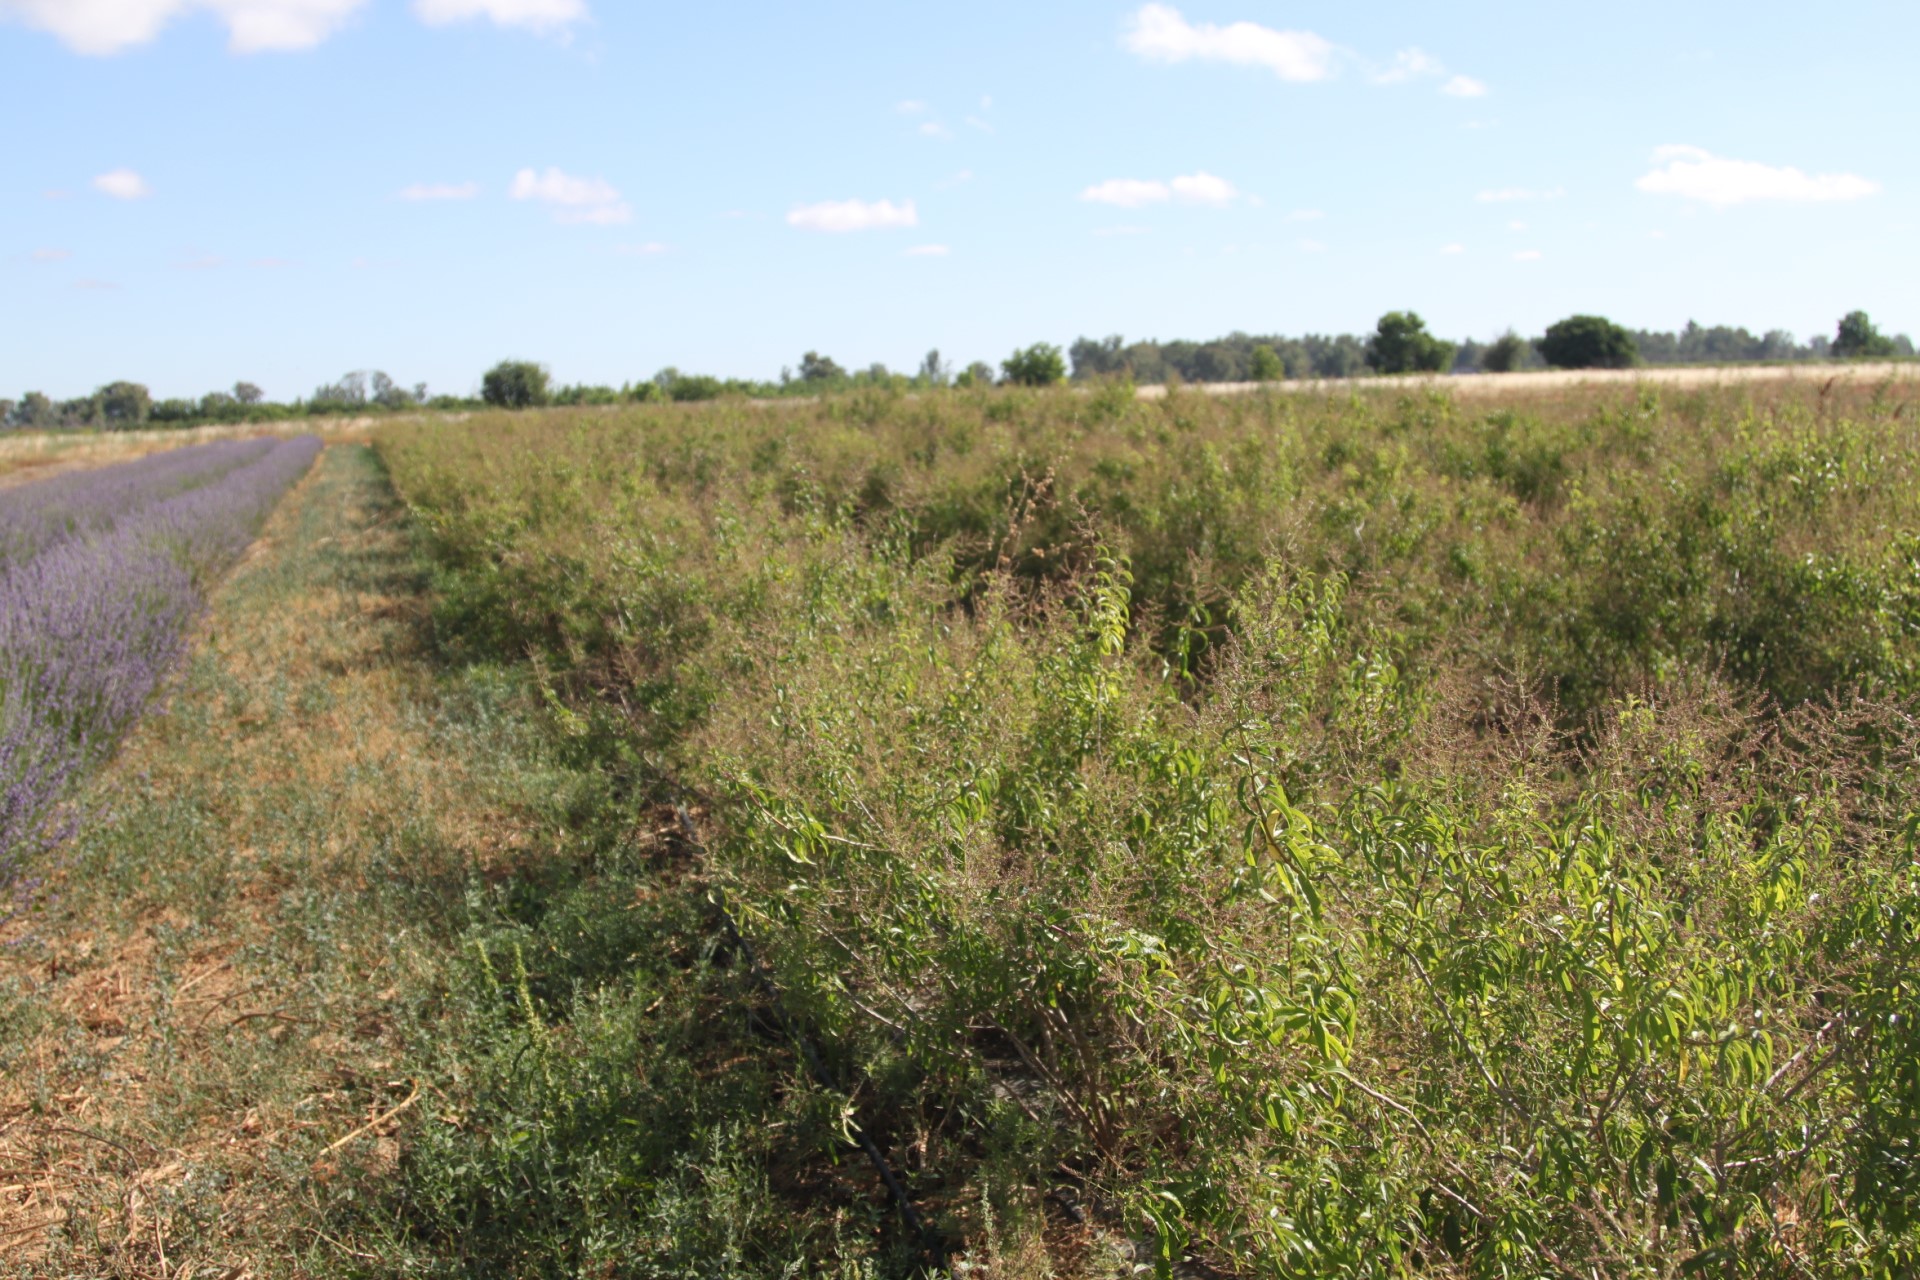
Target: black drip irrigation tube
(932, 1243)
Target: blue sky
(198, 191)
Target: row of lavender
(101, 575)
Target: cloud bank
(102, 27)
(1694, 174)
(1159, 33)
(854, 215)
(535, 15)
(1201, 188)
(573, 200)
(122, 184)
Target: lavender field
(101, 575)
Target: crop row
(101, 574)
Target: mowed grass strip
(295, 1001)
(204, 997)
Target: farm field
(1380, 833)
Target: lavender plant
(101, 574)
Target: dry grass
(1677, 377)
(201, 1018)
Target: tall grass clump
(1340, 836)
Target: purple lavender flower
(101, 575)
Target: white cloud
(1159, 33)
(854, 215)
(911, 107)
(977, 123)
(1508, 195)
(102, 27)
(52, 255)
(1305, 215)
(440, 191)
(1133, 193)
(205, 262)
(959, 179)
(928, 251)
(122, 184)
(1453, 248)
(934, 129)
(1409, 64)
(1128, 193)
(1312, 246)
(1528, 255)
(574, 200)
(1694, 174)
(1203, 188)
(535, 15)
(1516, 225)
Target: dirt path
(202, 1020)
(29, 456)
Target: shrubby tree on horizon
(817, 368)
(1401, 344)
(1040, 365)
(516, 384)
(124, 404)
(1858, 339)
(977, 374)
(1266, 365)
(1588, 342)
(1505, 354)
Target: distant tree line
(124, 406)
(1400, 343)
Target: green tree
(1266, 364)
(696, 387)
(1505, 354)
(1401, 344)
(515, 384)
(1588, 342)
(934, 371)
(977, 374)
(1858, 339)
(247, 393)
(124, 404)
(815, 367)
(35, 411)
(1040, 365)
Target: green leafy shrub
(1370, 836)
